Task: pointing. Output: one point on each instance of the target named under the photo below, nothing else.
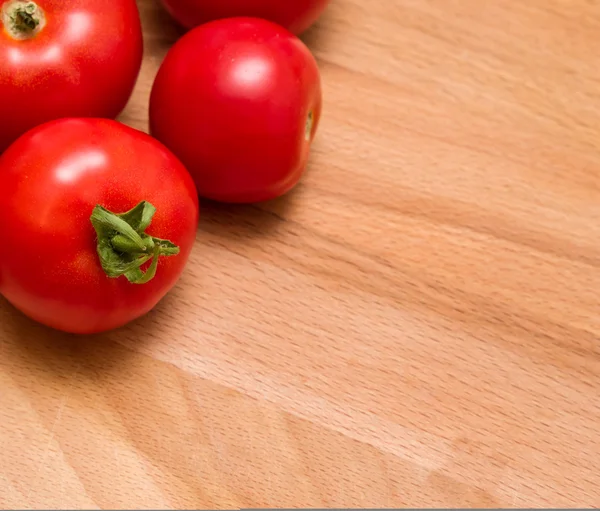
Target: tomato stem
(123, 247)
(22, 19)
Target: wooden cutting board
(417, 324)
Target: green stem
(123, 247)
(126, 245)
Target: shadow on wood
(29, 343)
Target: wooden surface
(416, 324)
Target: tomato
(65, 58)
(295, 15)
(239, 102)
(68, 189)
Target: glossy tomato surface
(239, 102)
(82, 59)
(52, 179)
(295, 15)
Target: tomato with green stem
(65, 58)
(97, 221)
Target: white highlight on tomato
(80, 163)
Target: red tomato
(65, 58)
(239, 102)
(67, 259)
(295, 15)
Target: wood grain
(417, 324)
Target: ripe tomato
(68, 259)
(239, 102)
(295, 15)
(65, 58)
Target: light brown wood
(417, 324)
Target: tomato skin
(51, 179)
(295, 15)
(231, 100)
(83, 63)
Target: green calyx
(124, 247)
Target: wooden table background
(416, 324)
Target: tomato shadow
(316, 36)
(244, 221)
(26, 342)
(159, 26)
